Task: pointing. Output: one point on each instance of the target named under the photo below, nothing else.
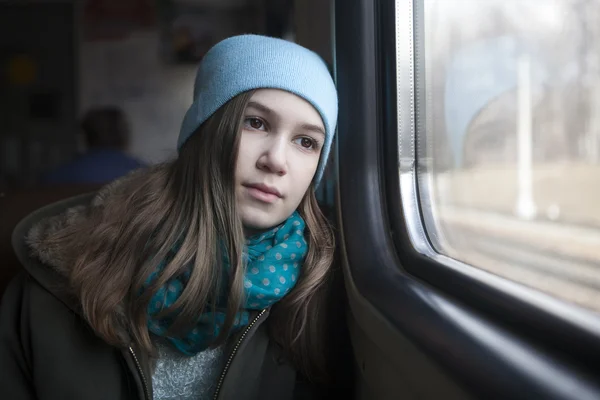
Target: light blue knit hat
(241, 63)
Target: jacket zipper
(139, 367)
(233, 353)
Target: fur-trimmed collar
(34, 232)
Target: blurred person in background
(106, 133)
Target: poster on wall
(190, 36)
(188, 31)
(116, 19)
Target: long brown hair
(191, 200)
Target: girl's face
(281, 140)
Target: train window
(508, 140)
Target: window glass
(509, 145)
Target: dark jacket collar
(41, 260)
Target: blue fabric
(273, 262)
(94, 167)
(241, 63)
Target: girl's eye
(306, 143)
(254, 123)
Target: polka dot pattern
(272, 258)
(273, 254)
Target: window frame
(571, 328)
(488, 323)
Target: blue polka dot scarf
(273, 260)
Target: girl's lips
(262, 195)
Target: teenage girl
(199, 278)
